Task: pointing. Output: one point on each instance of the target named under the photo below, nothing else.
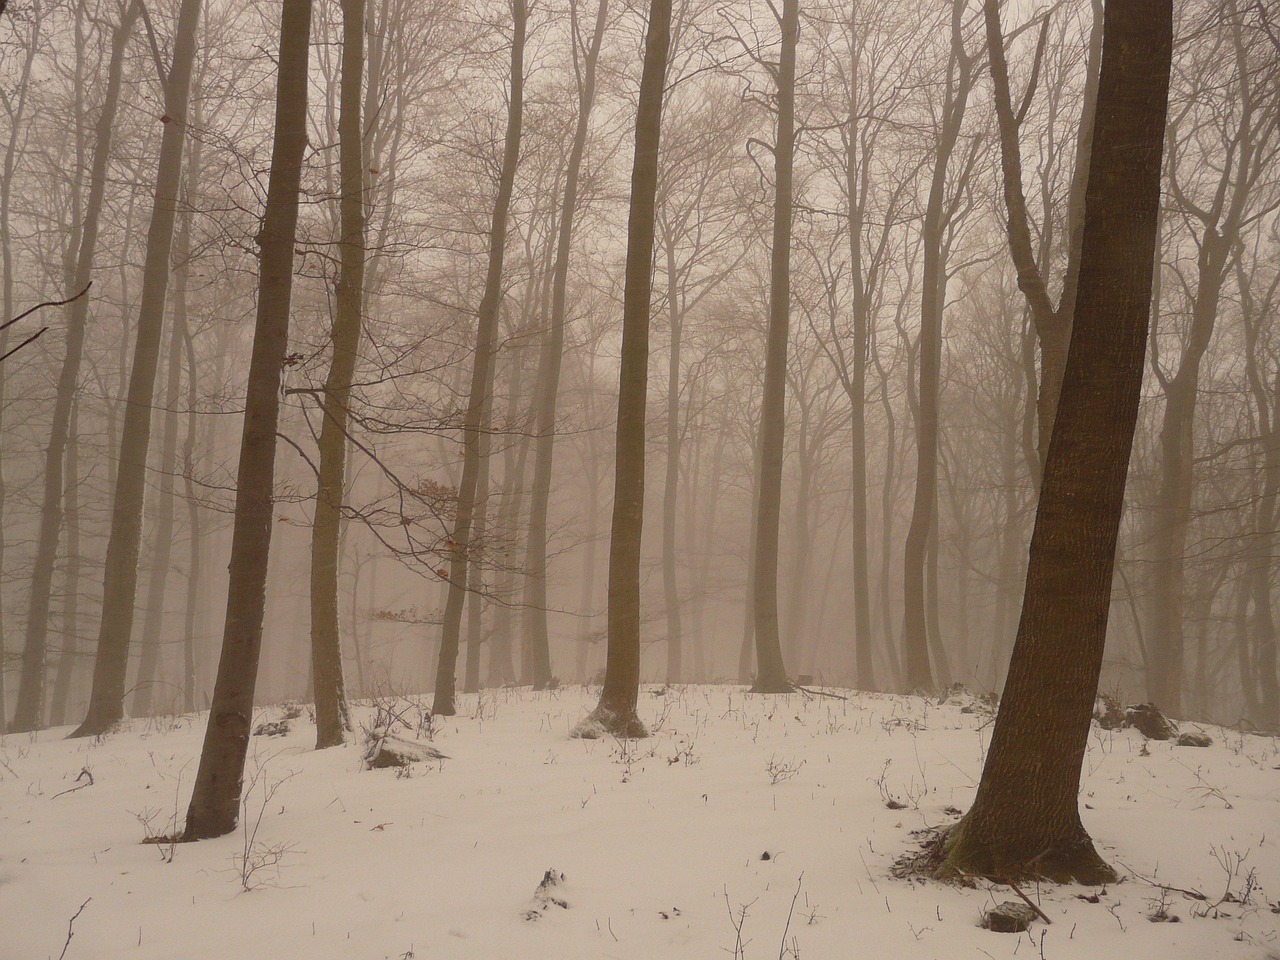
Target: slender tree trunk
(771, 675)
(481, 397)
(120, 581)
(215, 801)
(549, 361)
(7, 310)
(332, 719)
(924, 511)
(1025, 819)
(153, 619)
(476, 598)
(71, 581)
(671, 487)
(616, 712)
(29, 707)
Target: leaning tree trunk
(215, 802)
(332, 720)
(1025, 819)
(549, 361)
(120, 580)
(771, 675)
(481, 398)
(27, 714)
(616, 712)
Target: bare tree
(215, 801)
(1025, 819)
(616, 712)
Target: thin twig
(1027, 900)
(70, 932)
(84, 772)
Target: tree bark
(332, 719)
(616, 712)
(771, 674)
(924, 511)
(549, 361)
(29, 707)
(215, 801)
(481, 396)
(1025, 819)
(120, 580)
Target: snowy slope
(661, 842)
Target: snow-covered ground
(768, 814)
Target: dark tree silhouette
(1025, 820)
(215, 801)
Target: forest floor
(745, 827)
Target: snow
(661, 842)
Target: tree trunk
(476, 598)
(30, 703)
(616, 712)
(153, 619)
(1025, 819)
(481, 396)
(549, 361)
(120, 581)
(71, 581)
(671, 485)
(215, 801)
(924, 510)
(771, 675)
(332, 719)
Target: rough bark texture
(481, 396)
(771, 674)
(120, 579)
(215, 801)
(27, 712)
(332, 720)
(1025, 820)
(616, 712)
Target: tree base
(606, 722)
(93, 727)
(763, 685)
(959, 855)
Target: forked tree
(1025, 819)
(616, 713)
(215, 801)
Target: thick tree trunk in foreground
(1025, 820)
(332, 721)
(27, 713)
(616, 712)
(215, 802)
(771, 675)
(120, 580)
(481, 397)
